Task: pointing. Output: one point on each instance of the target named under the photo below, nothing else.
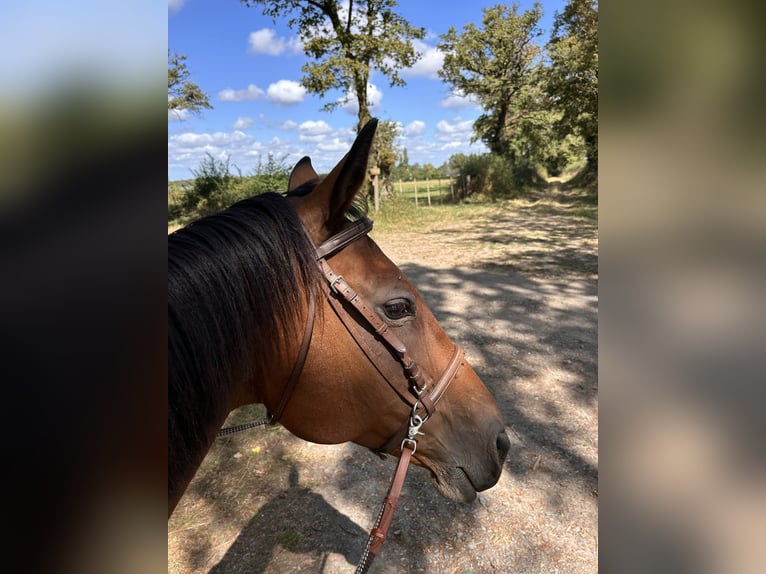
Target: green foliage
(572, 80)
(500, 64)
(384, 154)
(345, 47)
(492, 176)
(182, 93)
(271, 175)
(211, 191)
(215, 187)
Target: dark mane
(235, 280)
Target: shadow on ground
(509, 323)
(534, 344)
(280, 537)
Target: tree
(573, 74)
(345, 44)
(182, 93)
(385, 154)
(500, 64)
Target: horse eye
(398, 309)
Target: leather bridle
(353, 311)
(341, 296)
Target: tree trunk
(360, 87)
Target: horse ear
(336, 192)
(303, 172)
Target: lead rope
(378, 533)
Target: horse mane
(235, 280)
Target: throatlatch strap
(300, 361)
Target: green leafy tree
(346, 44)
(501, 64)
(182, 93)
(573, 74)
(345, 41)
(384, 155)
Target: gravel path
(516, 285)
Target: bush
(271, 175)
(493, 176)
(212, 188)
(215, 187)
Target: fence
(426, 192)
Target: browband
(340, 240)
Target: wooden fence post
(375, 171)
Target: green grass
(402, 213)
(438, 189)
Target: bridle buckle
(337, 279)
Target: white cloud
(288, 125)
(311, 131)
(175, 5)
(430, 62)
(178, 115)
(286, 92)
(252, 92)
(211, 142)
(458, 100)
(336, 145)
(265, 41)
(414, 128)
(295, 45)
(454, 135)
(351, 105)
(242, 123)
(459, 127)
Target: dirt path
(516, 285)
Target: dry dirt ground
(515, 284)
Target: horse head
(353, 386)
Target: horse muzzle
(475, 472)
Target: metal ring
(411, 442)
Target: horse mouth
(455, 484)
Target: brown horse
(253, 318)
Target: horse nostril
(503, 445)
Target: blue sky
(250, 68)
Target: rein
(341, 295)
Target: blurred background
(682, 314)
(82, 295)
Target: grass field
(423, 192)
(410, 209)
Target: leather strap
(340, 240)
(450, 374)
(378, 533)
(340, 287)
(292, 382)
(299, 362)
